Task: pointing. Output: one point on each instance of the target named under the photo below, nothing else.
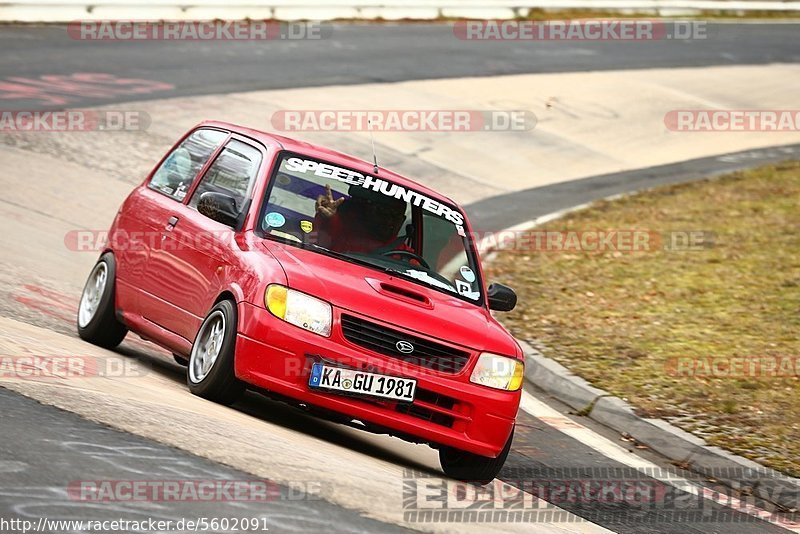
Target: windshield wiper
(427, 279)
(339, 255)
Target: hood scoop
(399, 292)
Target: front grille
(384, 340)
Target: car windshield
(370, 220)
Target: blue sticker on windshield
(275, 219)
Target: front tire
(470, 467)
(97, 321)
(210, 371)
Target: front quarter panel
(253, 269)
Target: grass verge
(685, 335)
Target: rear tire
(210, 371)
(97, 320)
(470, 467)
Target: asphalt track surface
(34, 455)
(362, 53)
(87, 451)
(520, 207)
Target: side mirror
(219, 207)
(501, 298)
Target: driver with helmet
(367, 222)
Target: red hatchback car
(272, 264)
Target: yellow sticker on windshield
(306, 226)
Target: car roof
(327, 154)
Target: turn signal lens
(276, 300)
(299, 309)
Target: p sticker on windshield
(275, 219)
(467, 273)
(306, 226)
(465, 290)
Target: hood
(393, 300)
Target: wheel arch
(232, 293)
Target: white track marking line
(614, 451)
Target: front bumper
(448, 409)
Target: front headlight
(299, 309)
(499, 372)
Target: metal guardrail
(67, 10)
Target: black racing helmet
(382, 214)
(378, 201)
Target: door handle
(171, 223)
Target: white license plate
(352, 381)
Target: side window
(232, 173)
(175, 176)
